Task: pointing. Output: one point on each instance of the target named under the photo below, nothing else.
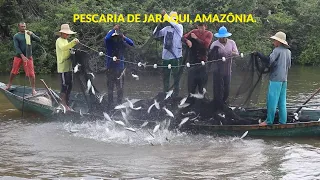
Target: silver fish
(101, 97)
(89, 85)
(93, 91)
(198, 96)
(168, 112)
(92, 75)
(130, 129)
(121, 106)
(81, 113)
(204, 90)
(144, 124)
(120, 123)
(156, 128)
(125, 117)
(244, 134)
(76, 68)
(184, 120)
(149, 109)
(183, 101)
(135, 76)
(169, 93)
(183, 105)
(106, 115)
(156, 104)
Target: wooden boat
(309, 128)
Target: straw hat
(65, 28)
(281, 37)
(173, 15)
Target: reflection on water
(33, 148)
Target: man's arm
(67, 46)
(205, 42)
(109, 35)
(16, 46)
(34, 37)
(128, 40)
(235, 51)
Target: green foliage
(298, 19)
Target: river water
(34, 148)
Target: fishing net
(144, 97)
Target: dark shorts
(66, 81)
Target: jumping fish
(125, 117)
(144, 124)
(157, 104)
(198, 96)
(149, 109)
(106, 115)
(183, 101)
(156, 128)
(131, 105)
(168, 112)
(92, 75)
(244, 134)
(169, 93)
(183, 105)
(135, 76)
(184, 120)
(130, 129)
(89, 85)
(120, 123)
(81, 113)
(76, 68)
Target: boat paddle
(308, 100)
(50, 92)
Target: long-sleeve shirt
(176, 50)
(280, 62)
(225, 50)
(20, 46)
(63, 47)
(115, 48)
(200, 46)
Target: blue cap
(222, 33)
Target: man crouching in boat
(279, 62)
(115, 43)
(64, 63)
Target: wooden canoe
(310, 128)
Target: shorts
(28, 66)
(66, 82)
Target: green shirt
(62, 51)
(20, 46)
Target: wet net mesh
(143, 85)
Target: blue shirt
(115, 48)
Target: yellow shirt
(63, 54)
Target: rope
(161, 66)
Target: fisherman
(115, 43)
(227, 48)
(23, 46)
(279, 62)
(64, 64)
(198, 40)
(172, 32)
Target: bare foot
(34, 92)
(8, 87)
(263, 123)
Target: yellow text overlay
(158, 18)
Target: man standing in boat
(279, 62)
(64, 64)
(198, 40)
(115, 43)
(23, 47)
(172, 49)
(223, 47)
